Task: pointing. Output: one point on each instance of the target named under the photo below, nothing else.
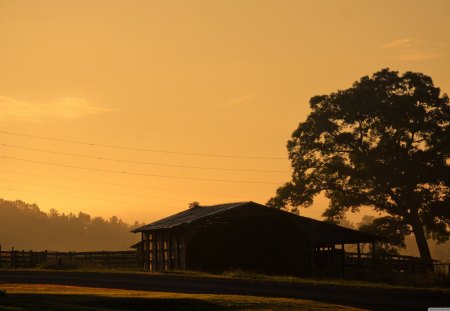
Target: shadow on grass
(92, 302)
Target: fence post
(373, 263)
(12, 257)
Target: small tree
(194, 204)
(383, 143)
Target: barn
(247, 236)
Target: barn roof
(321, 232)
(188, 216)
(318, 231)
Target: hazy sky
(214, 77)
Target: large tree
(383, 143)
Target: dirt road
(369, 298)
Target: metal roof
(188, 216)
(320, 232)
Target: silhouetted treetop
(194, 204)
(384, 143)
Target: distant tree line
(25, 226)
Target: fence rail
(398, 263)
(132, 259)
(30, 259)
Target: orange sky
(195, 77)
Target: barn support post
(183, 253)
(175, 253)
(146, 252)
(158, 251)
(180, 254)
(343, 260)
(141, 253)
(140, 257)
(165, 251)
(154, 253)
(161, 251)
(171, 252)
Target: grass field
(431, 282)
(81, 295)
(57, 297)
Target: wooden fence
(133, 260)
(30, 259)
(398, 263)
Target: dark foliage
(194, 204)
(384, 143)
(391, 230)
(25, 226)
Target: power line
(81, 189)
(118, 185)
(139, 162)
(81, 197)
(142, 149)
(138, 174)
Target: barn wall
(261, 244)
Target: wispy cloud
(234, 102)
(65, 108)
(413, 50)
(399, 43)
(418, 56)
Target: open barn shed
(245, 235)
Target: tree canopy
(25, 226)
(383, 143)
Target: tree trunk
(422, 244)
